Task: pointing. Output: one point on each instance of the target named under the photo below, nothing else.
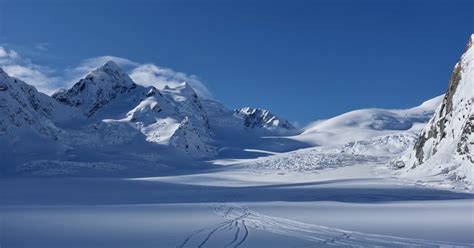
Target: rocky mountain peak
(262, 118)
(97, 88)
(111, 65)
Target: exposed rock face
(187, 138)
(97, 89)
(446, 144)
(261, 118)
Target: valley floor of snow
(359, 206)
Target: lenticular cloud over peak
(153, 75)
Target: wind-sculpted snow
(309, 160)
(241, 221)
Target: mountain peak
(111, 65)
(262, 118)
(97, 88)
(110, 68)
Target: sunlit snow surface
(360, 206)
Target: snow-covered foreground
(235, 207)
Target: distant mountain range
(106, 112)
(107, 123)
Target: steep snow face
(365, 124)
(97, 89)
(22, 106)
(262, 118)
(446, 144)
(189, 106)
(174, 117)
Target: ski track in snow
(240, 219)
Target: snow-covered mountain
(446, 143)
(108, 96)
(107, 113)
(97, 89)
(253, 118)
(27, 128)
(22, 106)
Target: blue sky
(304, 60)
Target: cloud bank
(152, 75)
(48, 80)
(42, 77)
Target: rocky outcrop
(446, 144)
(262, 118)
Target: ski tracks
(240, 219)
(236, 223)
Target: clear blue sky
(304, 60)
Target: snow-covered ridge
(22, 106)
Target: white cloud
(39, 76)
(74, 74)
(4, 54)
(39, 79)
(152, 75)
(48, 80)
(90, 64)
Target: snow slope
(339, 207)
(364, 124)
(27, 130)
(22, 106)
